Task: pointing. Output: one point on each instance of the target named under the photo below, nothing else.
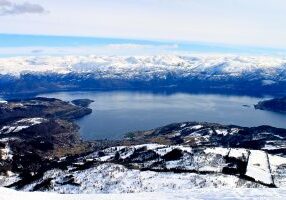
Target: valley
(41, 151)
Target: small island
(274, 105)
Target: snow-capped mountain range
(128, 67)
(87, 72)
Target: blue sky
(36, 45)
(142, 26)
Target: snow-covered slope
(213, 194)
(128, 67)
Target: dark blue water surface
(116, 113)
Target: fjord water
(116, 113)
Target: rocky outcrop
(40, 107)
(82, 102)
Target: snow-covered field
(258, 167)
(198, 194)
(112, 178)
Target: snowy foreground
(137, 169)
(211, 162)
(209, 194)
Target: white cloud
(242, 22)
(11, 8)
(5, 3)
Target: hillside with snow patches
(189, 156)
(157, 168)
